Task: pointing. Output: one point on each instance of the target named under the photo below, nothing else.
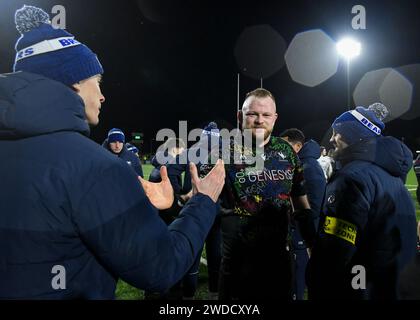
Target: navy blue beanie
(132, 148)
(53, 53)
(116, 134)
(206, 139)
(361, 123)
(210, 130)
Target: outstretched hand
(212, 184)
(160, 194)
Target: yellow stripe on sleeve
(340, 228)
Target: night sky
(175, 60)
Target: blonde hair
(258, 93)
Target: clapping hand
(212, 184)
(160, 194)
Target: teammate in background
(308, 152)
(170, 149)
(180, 179)
(326, 163)
(115, 143)
(133, 149)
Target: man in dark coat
(176, 159)
(115, 143)
(315, 183)
(74, 218)
(367, 230)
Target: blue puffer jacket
(314, 184)
(66, 201)
(155, 174)
(368, 221)
(129, 157)
(178, 166)
(314, 176)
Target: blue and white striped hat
(53, 53)
(361, 123)
(116, 134)
(132, 148)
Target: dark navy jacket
(170, 214)
(314, 184)
(132, 160)
(368, 220)
(179, 165)
(155, 173)
(176, 180)
(314, 176)
(65, 200)
(409, 288)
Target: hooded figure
(368, 228)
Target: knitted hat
(132, 148)
(116, 135)
(210, 138)
(53, 53)
(210, 130)
(361, 123)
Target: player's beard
(267, 132)
(337, 152)
(251, 133)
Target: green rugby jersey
(248, 188)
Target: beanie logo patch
(47, 46)
(364, 121)
(212, 133)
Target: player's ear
(76, 87)
(240, 118)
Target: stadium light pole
(349, 49)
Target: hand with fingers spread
(161, 194)
(212, 184)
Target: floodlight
(348, 48)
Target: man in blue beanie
(115, 142)
(55, 54)
(74, 218)
(367, 231)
